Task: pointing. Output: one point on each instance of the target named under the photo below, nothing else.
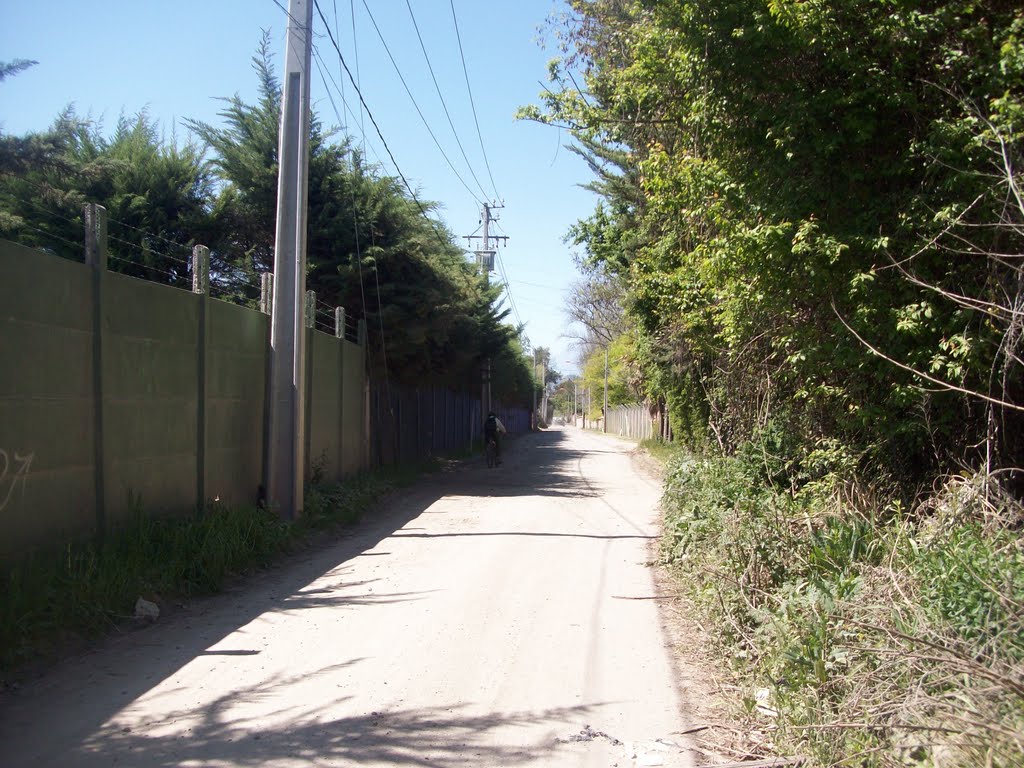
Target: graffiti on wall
(14, 469)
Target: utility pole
(485, 260)
(285, 449)
(544, 390)
(604, 420)
(535, 426)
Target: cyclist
(492, 429)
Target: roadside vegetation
(862, 630)
(809, 250)
(56, 599)
(375, 247)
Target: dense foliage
(813, 212)
(372, 248)
(788, 185)
(862, 635)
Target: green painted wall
(150, 393)
(323, 436)
(177, 403)
(354, 448)
(46, 398)
(335, 441)
(236, 367)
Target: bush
(877, 636)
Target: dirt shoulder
(718, 734)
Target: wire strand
(444, 106)
(508, 289)
(472, 104)
(119, 223)
(416, 106)
(405, 181)
(143, 247)
(175, 278)
(79, 246)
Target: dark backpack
(491, 425)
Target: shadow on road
(128, 666)
(442, 735)
(540, 464)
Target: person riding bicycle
(492, 429)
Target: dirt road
(486, 618)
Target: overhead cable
(417, 107)
(472, 104)
(437, 87)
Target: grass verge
(861, 631)
(55, 598)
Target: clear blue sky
(175, 58)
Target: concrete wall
(236, 376)
(151, 347)
(354, 453)
(172, 415)
(335, 421)
(47, 459)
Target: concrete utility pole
(284, 454)
(485, 259)
(544, 390)
(575, 407)
(604, 421)
(535, 388)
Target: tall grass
(877, 634)
(86, 588)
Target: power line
(355, 213)
(416, 105)
(387, 148)
(441, 97)
(359, 76)
(325, 75)
(508, 288)
(472, 104)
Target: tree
(156, 193)
(787, 155)
(372, 248)
(15, 67)
(596, 305)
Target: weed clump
(87, 586)
(867, 630)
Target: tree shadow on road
(217, 734)
(129, 666)
(541, 464)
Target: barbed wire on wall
(233, 278)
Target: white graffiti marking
(11, 476)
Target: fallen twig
(772, 762)
(643, 597)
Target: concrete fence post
(201, 287)
(310, 309)
(339, 322)
(267, 293)
(200, 269)
(96, 258)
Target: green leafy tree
(371, 247)
(156, 193)
(790, 158)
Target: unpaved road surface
(485, 618)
